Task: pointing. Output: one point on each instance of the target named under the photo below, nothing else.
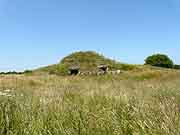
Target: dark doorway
(74, 71)
(103, 68)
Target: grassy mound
(87, 61)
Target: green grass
(104, 105)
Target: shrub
(28, 72)
(159, 60)
(62, 69)
(176, 66)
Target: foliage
(60, 69)
(159, 60)
(28, 72)
(176, 66)
(11, 73)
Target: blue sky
(35, 33)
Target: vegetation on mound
(87, 61)
(58, 69)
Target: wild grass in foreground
(90, 106)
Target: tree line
(16, 73)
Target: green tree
(159, 60)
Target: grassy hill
(145, 100)
(87, 61)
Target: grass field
(133, 103)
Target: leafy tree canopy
(159, 60)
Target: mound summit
(87, 61)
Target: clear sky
(35, 33)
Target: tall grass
(90, 106)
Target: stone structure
(74, 70)
(103, 68)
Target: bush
(159, 60)
(60, 69)
(176, 66)
(28, 72)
